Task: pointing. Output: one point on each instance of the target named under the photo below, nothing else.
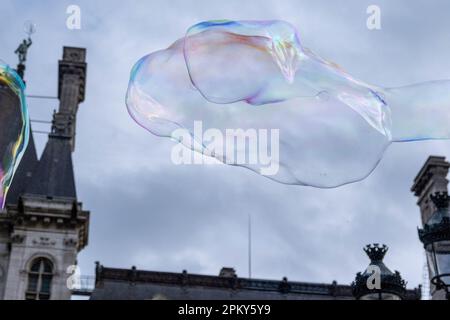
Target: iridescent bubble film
(14, 126)
(256, 75)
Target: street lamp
(377, 282)
(435, 237)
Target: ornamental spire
(22, 49)
(375, 251)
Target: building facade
(43, 226)
(133, 284)
(429, 182)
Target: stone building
(43, 226)
(431, 183)
(131, 284)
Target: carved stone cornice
(17, 238)
(70, 242)
(434, 171)
(32, 211)
(44, 242)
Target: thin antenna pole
(249, 246)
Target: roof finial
(22, 50)
(375, 251)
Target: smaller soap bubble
(29, 27)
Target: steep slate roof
(24, 172)
(54, 175)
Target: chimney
(431, 179)
(71, 90)
(227, 273)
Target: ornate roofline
(234, 283)
(435, 232)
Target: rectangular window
(33, 282)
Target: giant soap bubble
(255, 76)
(14, 126)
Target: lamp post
(435, 237)
(377, 282)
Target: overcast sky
(147, 212)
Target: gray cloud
(148, 212)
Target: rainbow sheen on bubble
(333, 128)
(14, 126)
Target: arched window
(39, 279)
